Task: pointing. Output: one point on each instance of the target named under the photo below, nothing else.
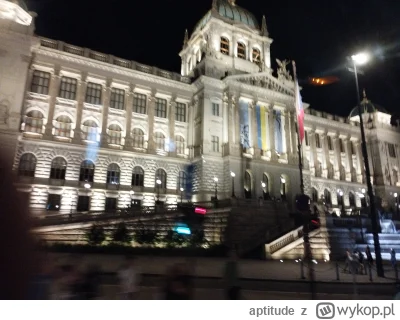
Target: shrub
(146, 236)
(96, 235)
(121, 235)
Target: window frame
(117, 99)
(40, 82)
(68, 88)
(93, 93)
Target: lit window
(68, 88)
(113, 174)
(162, 176)
(117, 100)
(139, 103)
(180, 112)
(63, 126)
(86, 173)
(241, 51)
(89, 130)
(93, 93)
(256, 55)
(138, 138)
(224, 46)
(182, 180)
(114, 134)
(27, 165)
(159, 140)
(215, 109)
(58, 168)
(161, 108)
(215, 143)
(34, 122)
(138, 177)
(180, 144)
(40, 82)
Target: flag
(299, 106)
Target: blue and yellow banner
(262, 133)
(244, 124)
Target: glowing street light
(87, 185)
(360, 59)
(233, 175)
(181, 193)
(158, 182)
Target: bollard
(302, 270)
(337, 272)
(370, 272)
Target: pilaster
(151, 113)
(81, 91)
(129, 108)
(171, 119)
(53, 93)
(105, 107)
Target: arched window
(58, 168)
(327, 197)
(241, 50)
(86, 173)
(314, 195)
(224, 46)
(159, 140)
(27, 165)
(138, 138)
(113, 174)
(352, 199)
(137, 177)
(180, 144)
(265, 187)
(114, 134)
(162, 176)
(89, 130)
(247, 185)
(63, 126)
(182, 180)
(34, 122)
(256, 56)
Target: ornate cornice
(86, 62)
(313, 120)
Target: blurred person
(231, 277)
(370, 260)
(17, 255)
(129, 279)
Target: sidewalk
(288, 270)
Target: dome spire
(264, 30)
(186, 39)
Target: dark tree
(121, 234)
(96, 235)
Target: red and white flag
(299, 106)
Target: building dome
(230, 12)
(20, 3)
(367, 107)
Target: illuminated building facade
(90, 131)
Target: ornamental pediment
(265, 80)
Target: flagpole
(306, 215)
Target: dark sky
(317, 34)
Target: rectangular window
(40, 82)
(54, 202)
(215, 143)
(341, 145)
(161, 108)
(317, 141)
(330, 144)
(139, 103)
(83, 203)
(215, 109)
(180, 112)
(306, 138)
(111, 204)
(68, 88)
(93, 93)
(353, 148)
(117, 100)
(392, 150)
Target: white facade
(134, 124)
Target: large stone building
(90, 131)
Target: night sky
(317, 34)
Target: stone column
(313, 152)
(171, 121)
(150, 114)
(349, 160)
(271, 126)
(325, 149)
(81, 92)
(53, 93)
(286, 134)
(105, 107)
(236, 126)
(128, 114)
(360, 162)
(337, 157)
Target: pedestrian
(129, 279)
(393, 258)
(348, 261)
(370, 260)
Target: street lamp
(216, 188)
(340, 193)
(233, 175)
(283, 181)
(359, 59)
(396, 196)
(181, 193)
(87, 185)
(158, 182)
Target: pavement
(285, 270)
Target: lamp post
(233, 175)
(283, 181)
(216, 188)
(340, 193)
(263, 186)
(158, 182)
(397, 196)
(181, 194)
(359, 59)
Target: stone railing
(83, 52)
(283, 241)
(329, 116)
